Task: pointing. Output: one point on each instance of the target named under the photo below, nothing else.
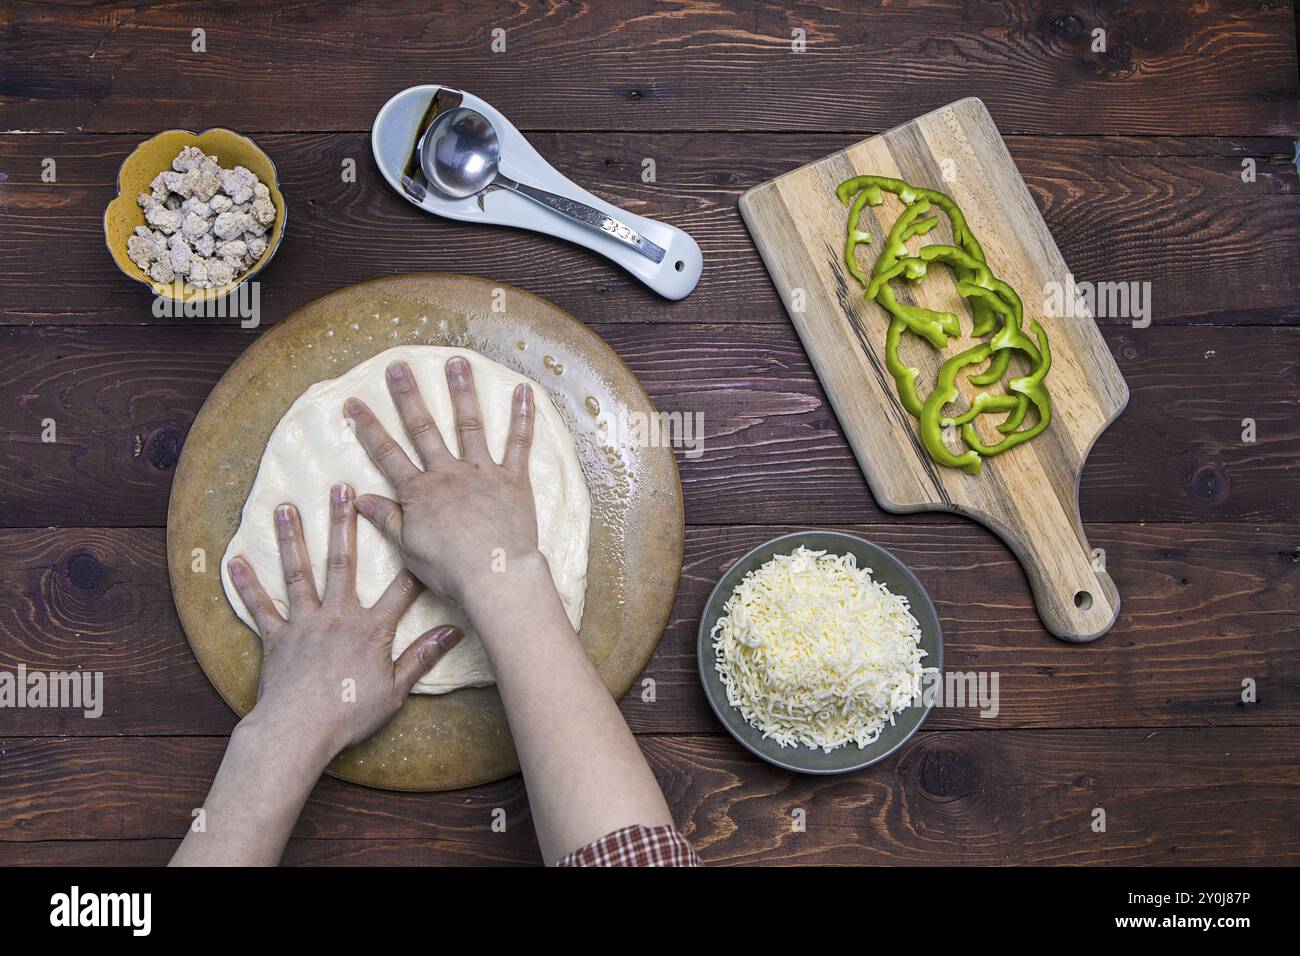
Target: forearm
(254, 802)
(586, 775)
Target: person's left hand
(328, 678)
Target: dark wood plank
(1018, 798)
(146, 787)
(1205, 607)
(1220, 66)
(123, 397)
(300, 852)
(90, 852)
(1169, 211)
(1009, 797)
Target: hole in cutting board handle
(1082, 600)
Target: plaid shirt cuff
(636, 846)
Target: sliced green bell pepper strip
(909, 195)
(856, 237)
(934, 327)
(1032, 387)
(904, 375)
(946, 392)
(1006, 340)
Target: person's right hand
(459, 519)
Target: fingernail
(448, 637)
(340, 493)
(352, 408)
(284, 513)
(399, 376)
(236, 568)
(457, 367)
(525, 397)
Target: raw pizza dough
(312, 449)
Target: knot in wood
(945, 773)
(84, 570)
(163, 448)
(1210, 483)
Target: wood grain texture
(123, 399)
(1019, 797)
(1171, 211)
(1207, 606)
(1015, 797)
(1218, 66)
(139, 788)
(299, 852)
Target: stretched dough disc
(312, 449)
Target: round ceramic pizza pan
(458, 739)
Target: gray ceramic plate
(885, 568)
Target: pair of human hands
(328, 675)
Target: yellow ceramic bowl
(155, 155)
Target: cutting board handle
(1075, 596)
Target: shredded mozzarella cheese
(812, 651)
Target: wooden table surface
(1135, 156)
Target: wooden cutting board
(1029, 495)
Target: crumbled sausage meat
(208, 224)
(219, 272)
(161, 271)
(238, 183)
(194, 226)
(179, 251)
(230, 225)
(168, 220)
(188, 158)
(143, 248)
(264, 211)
